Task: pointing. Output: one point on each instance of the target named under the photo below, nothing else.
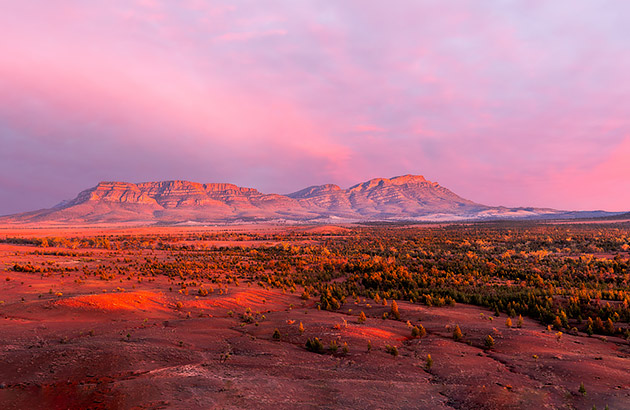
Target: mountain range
(402, 198)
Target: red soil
(131, 301)
(125, 344)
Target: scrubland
(503, 315)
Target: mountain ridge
(405, 197)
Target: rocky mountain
(381, 198)
(408, 197)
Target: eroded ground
(75, 341)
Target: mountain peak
(315, 190)
(404, 197)
(384, 182)
(408, 179)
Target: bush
(394, 311)
(457, 334)
(315, 345)
(393, 350)
(429, 362)
(362, 318)
(489, 342)
(305, 295)
(276, 334)
(582, 389)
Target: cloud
(514, 103)
(249, 35)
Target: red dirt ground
(131, 345)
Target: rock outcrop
(408, 197)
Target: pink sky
(520, 103)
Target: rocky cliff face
(121, 192)
(383, 198)
(408, 197)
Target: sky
(505, 102)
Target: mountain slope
(408, 197)
(382, 198)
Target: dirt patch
(128, 301)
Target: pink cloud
(514, 104)
(249, 35)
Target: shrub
(315, 345)
(305, 295)
(362, 318)
(276, 334)
(429, 362)
(589, 330)
(393, 350)
(582, 389)
(394, 310)
(489, 342)
(457, 334)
